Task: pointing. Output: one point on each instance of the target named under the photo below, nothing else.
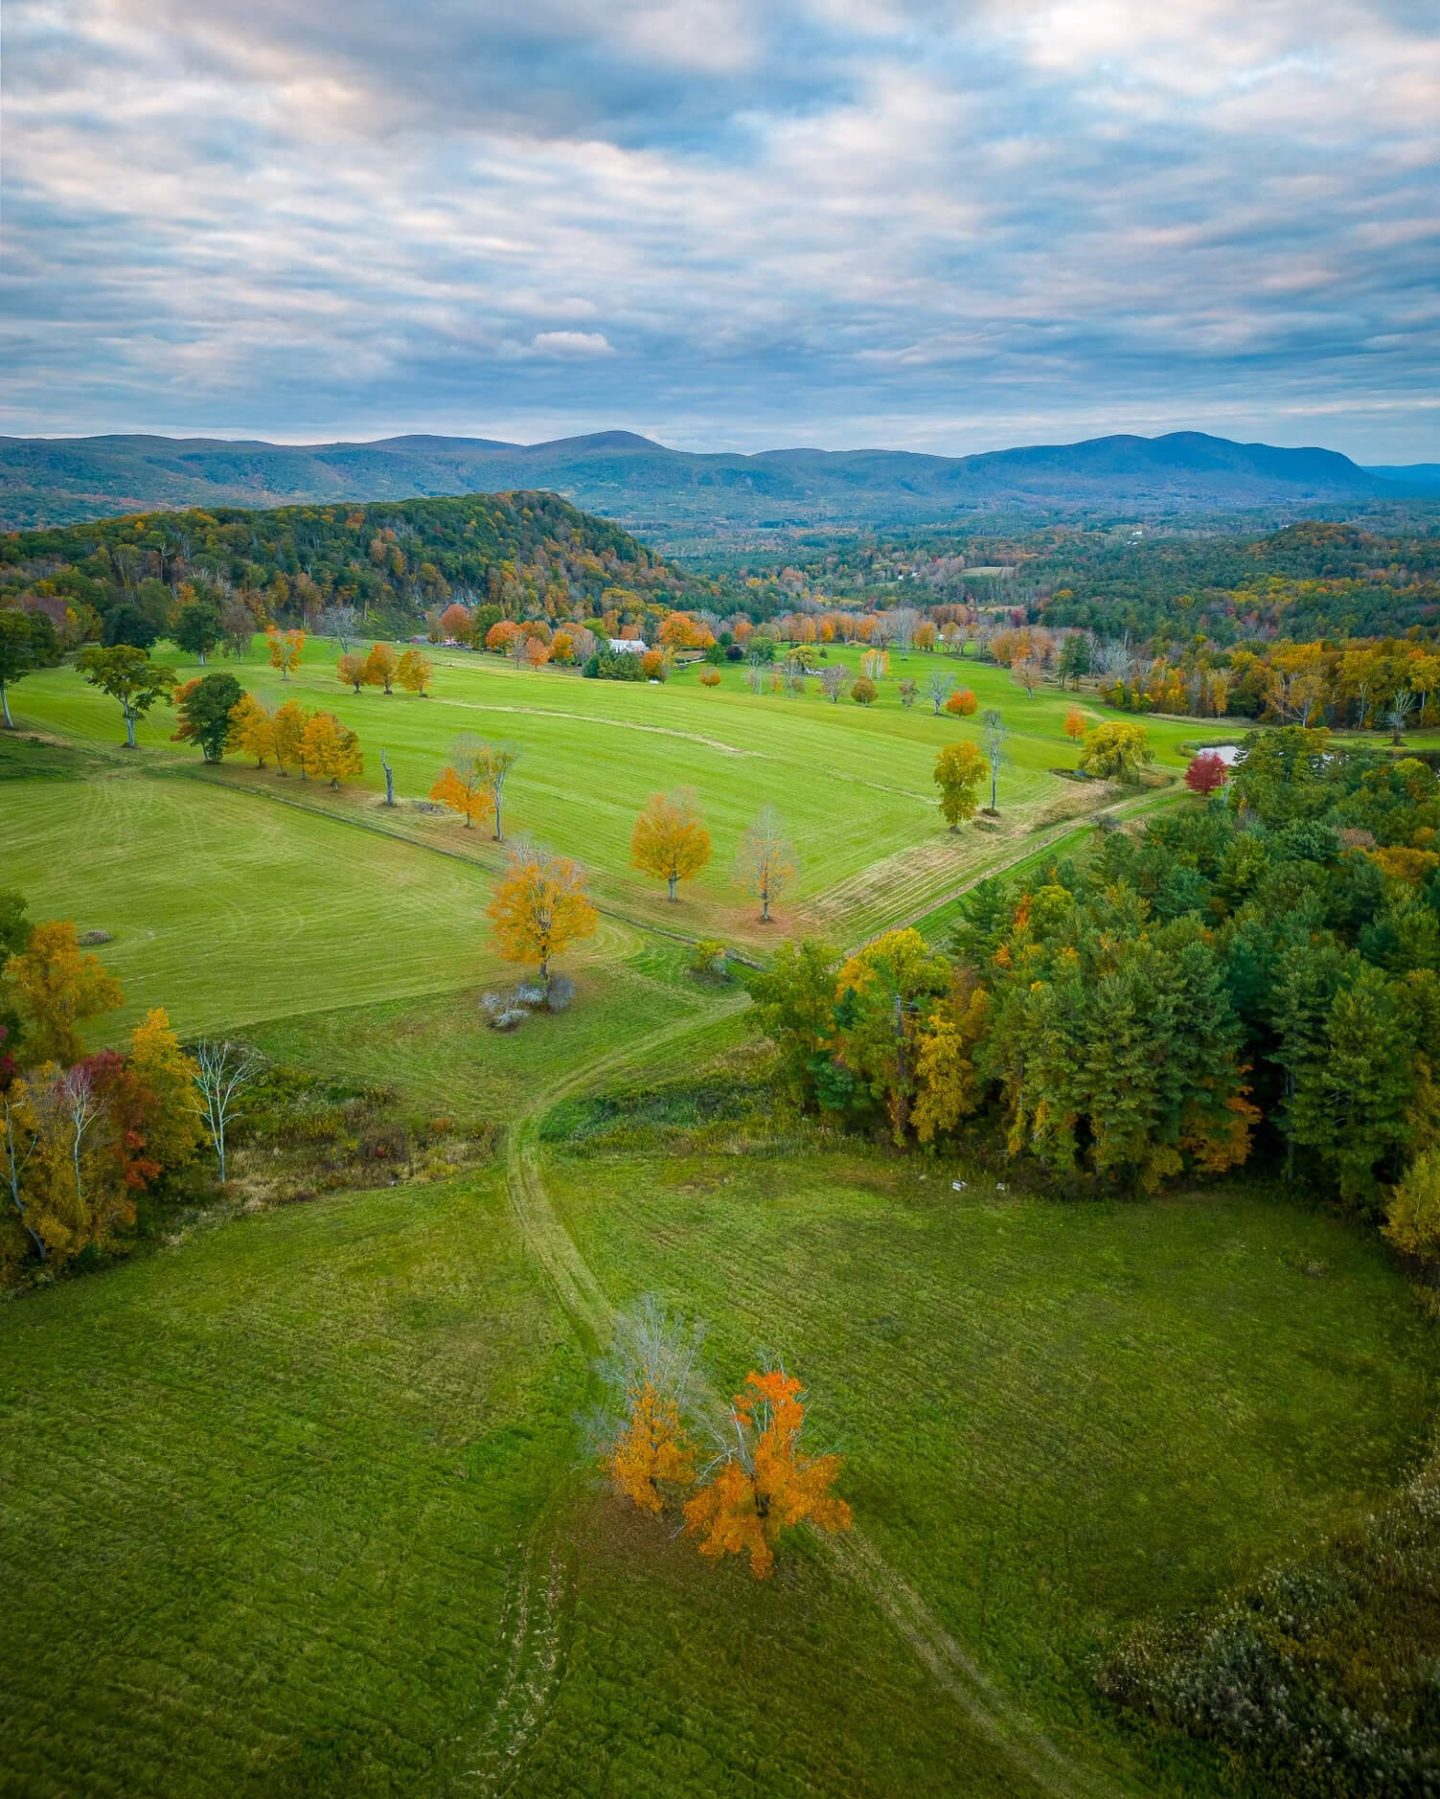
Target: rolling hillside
(645, 484)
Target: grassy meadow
(305, 1503)
(852, 784)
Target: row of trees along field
(1255, 979)
(83, 1136)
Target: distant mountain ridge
(645, 484)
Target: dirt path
(994, 1716)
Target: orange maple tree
(462, 786)
(652, 1449)
(540, 908)
(1076, 724)
(286, 649)
(380, 666)
(767, 1485)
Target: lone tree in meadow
(351, 670)
(765, 1484)
(495, 762)
(766, 864)
(129, 676)
(939, 686)
(413, 672)
(864, 692)
(1076, 724)
(669, 840)
(204, 706)
(540, 908)
(463, 784)
(832, 682)
(959, 770)
(992, 737)
(286, 650)
(198, 629)
(1116, 751)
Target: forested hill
(656, 489)
(527, 553)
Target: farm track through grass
(1017, 1740)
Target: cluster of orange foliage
(762, 1487)
(383, 668)
(314, 742)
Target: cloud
(571, 343)
(741, 222)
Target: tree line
(1254, 979)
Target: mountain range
(646, 485)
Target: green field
(304, 1503)
(852, 784)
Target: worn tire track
(994, 1716)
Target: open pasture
(305, 1507)
(852, 784)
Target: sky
(947, 225)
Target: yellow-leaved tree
(959, 770)
(380, 667)
(252, 729)
(414, 672)
(289, 741)
(669, 840)
(540, 908)
(165, 1095)
(286, 649)
(1116, 751)
(461, 785)
(55, 986)
(329, 750)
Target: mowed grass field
(853, 785)
(1057, 1418)
(307, 1504)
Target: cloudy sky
(947, 224)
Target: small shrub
(709, 960)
